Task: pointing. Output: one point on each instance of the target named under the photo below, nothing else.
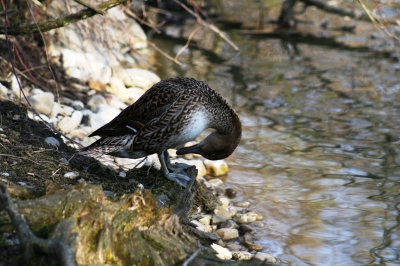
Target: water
(319, 156)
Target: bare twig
(211, 26)
(154, 27)
(163, 53)
(28, 240)
(57, 23)
(186, 45)
(94, 8)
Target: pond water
(320, 154)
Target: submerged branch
(58, 23)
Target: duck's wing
(154, 103)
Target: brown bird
(171, 113)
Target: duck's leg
(174, 167)
(179, 176)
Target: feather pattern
(171, 113)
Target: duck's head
(216, 146)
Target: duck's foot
(174, 167)
(177, 174)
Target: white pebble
(122, 174)
(5, 174)
(81, 180)
(224, 200)
(22, 183)
(222, 253)
(71, 175)
(52, 141)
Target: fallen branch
(57, 23)
(28, 240)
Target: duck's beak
(191, 149)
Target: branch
(28, 240)
(58, 23)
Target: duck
(171, 113)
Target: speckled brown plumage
(171, 113)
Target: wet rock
(43, 102)
(216, 168)
(224, 200)
(246, 229)
(229, 224)
(230, 193)
(246, 241)
(95, 101)
(201, 169)
(133, 94)
(264, 257)
(246, 218)
(136, 77)
(242, 255)
(215, 182)
(233, 246)
(227, 233)
(52, 141)
(243, 204)
(69, 123)
(258, 224)
(217, 220)
(222, 253)
(224, 212)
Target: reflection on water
(320, 151)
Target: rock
(95, 101)
(52, 141)
(224, 212)
(80, 132)
(133, 94)
(129, 163)
(246, 229)
(227, 233)
(3, 89)
(69, 123)
(215, 182)
(224, 200)
(246, 241)
(122, 174)
(117, 87)
(243, 204)
(242, 255)
(42, 117)
(216, 168)
(199, 226)
(71, 175)
(43, 102)
(115, 102)
(245, 218)
(107, 112)
(152, 160)
(205, 220)
(233, 246)
(264, 257)
(66, 110)
(85, 66)
(217, 220)
(78, 105)
(229, 224)
(222, 253)
(230, 193)
(55, 110)
(95, 121)
(96, 86)
(136, 77)
(36, 91)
